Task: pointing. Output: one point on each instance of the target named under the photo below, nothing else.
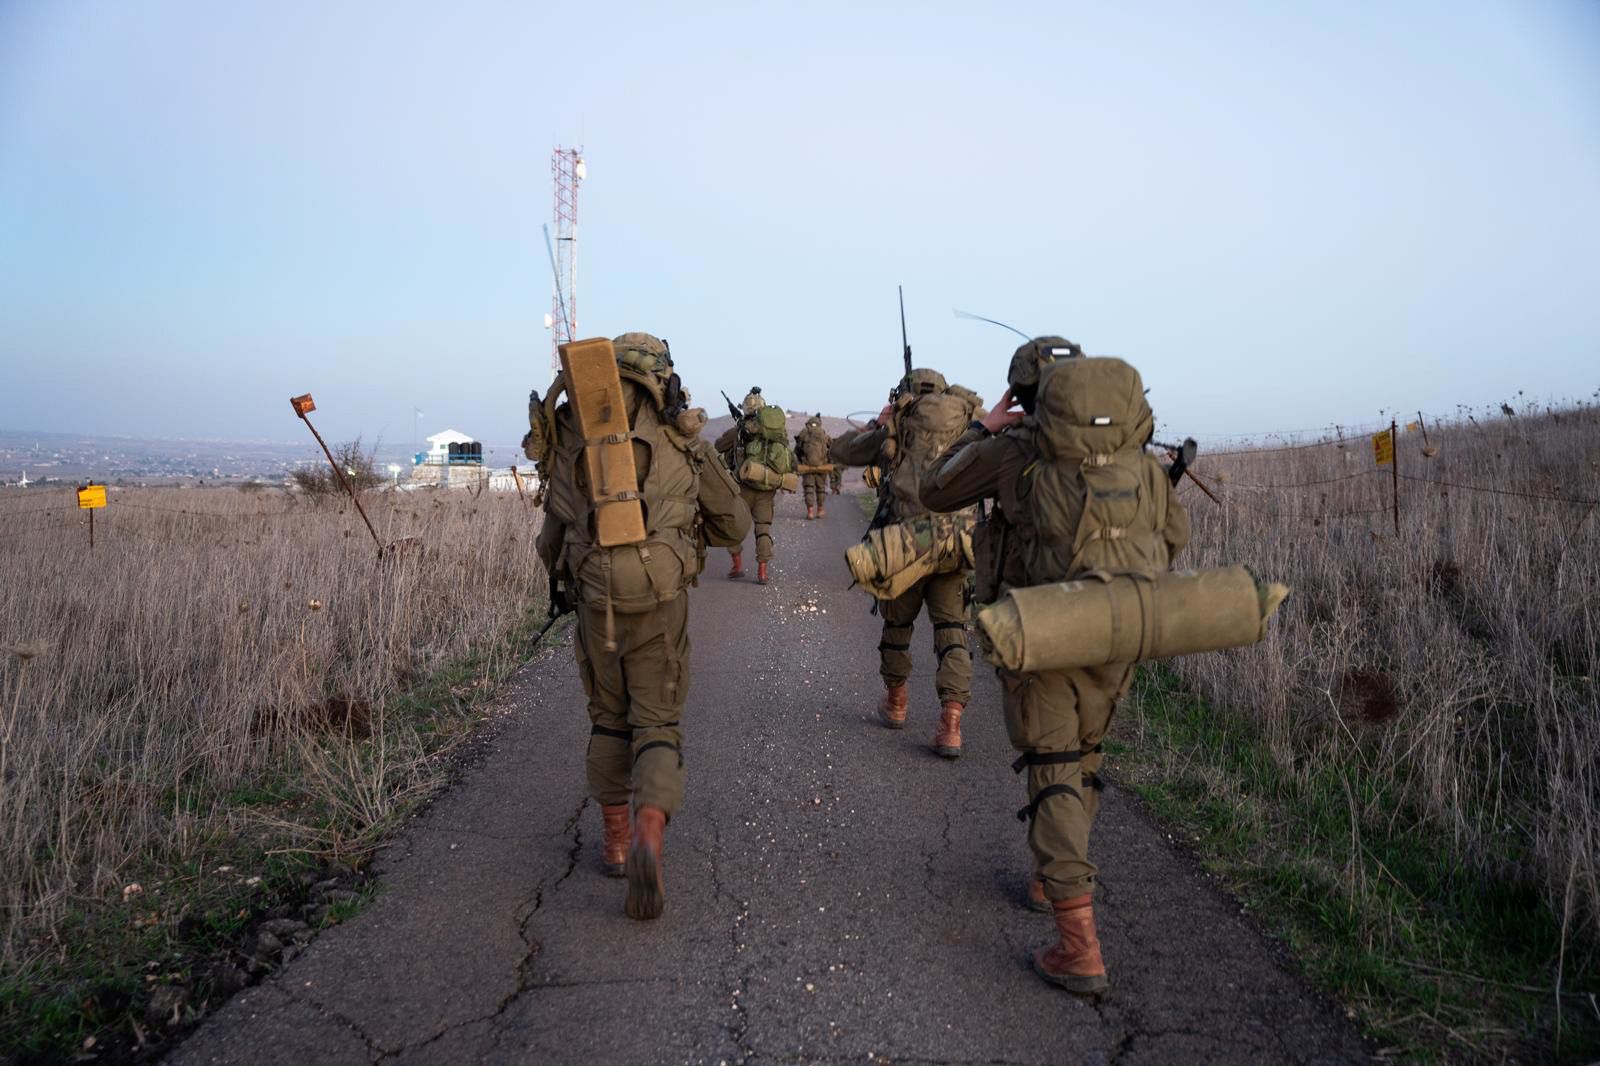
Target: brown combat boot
(1037, 900)
(811, 511)
(761, 573)
(614, 838)
(738, 565)
(1074, 963)
(892, 707)
(947, 741)
(646, 891)
(822, 509)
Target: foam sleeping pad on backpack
(755, 474)
(1101, 618)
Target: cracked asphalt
(835, 892)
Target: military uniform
(811, 448)
(942, 595)
(635, 663)
(836, 479)
(1056, 719)
(761, 503)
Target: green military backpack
(1097, 499)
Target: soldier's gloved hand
(1006, 413)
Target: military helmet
(1030, 358)
(753, 401)
(643, 343)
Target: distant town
(30, 459)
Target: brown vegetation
(216, 643)
(1455, 661)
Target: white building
(439, 445)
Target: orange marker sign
(91, 496)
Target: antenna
(992, 322)
(568, 170)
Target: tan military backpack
(633, 578)
(929, 414)
(1097, 499)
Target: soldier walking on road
(836, 478)
(924, 416)
(631, 601)
(811, 446)
(756, 449)
(1081, 421)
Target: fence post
(1394, 473)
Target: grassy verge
(1435, 962)
(277, 860)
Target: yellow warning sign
(91, 496)
(1383, 447)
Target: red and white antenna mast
(568, 170)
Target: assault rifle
(733, 408)
(559, 609)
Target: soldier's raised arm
(859, 447)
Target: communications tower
(568, 170)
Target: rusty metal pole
(91, 529)
(303, 406)
(1394, 472)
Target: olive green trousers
(761, 507)
(944, 595)
(636, 696)
(1057, 719)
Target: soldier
(924, 416)
(1079, 420)
(632, 606)
(836, 478)
(734, 447)
(811, 447)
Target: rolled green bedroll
(1100, 618)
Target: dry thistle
(315, 605)
(29, 649)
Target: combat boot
(822, 509)
(811, 511)
(1074, 963)
(614, 838)
(761, 573)
(738, 565)
(1037, 900)
(947, 741)
(892, 707)
(646, 890)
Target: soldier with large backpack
(913, 558)
(811, 446)
(628, 587)
(756, 450)
(1076, 495)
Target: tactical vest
(929, 414)
(1094, 498)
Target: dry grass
(217, 642)
(1454, 663)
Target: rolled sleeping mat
(814, 468)
(1127, 618)
(761, 477)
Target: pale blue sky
(1285, 214)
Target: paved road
(835, 892)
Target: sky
(1286, 215)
